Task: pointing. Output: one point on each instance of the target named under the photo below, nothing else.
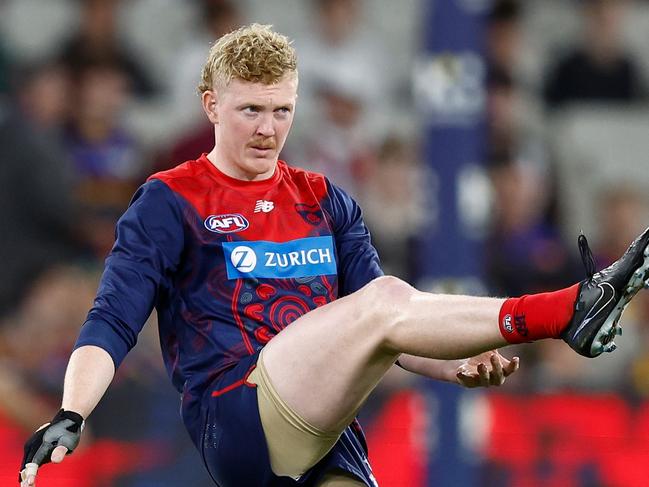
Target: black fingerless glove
(64, 430)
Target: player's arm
(484, 370)
(358, 261)
(89, 373)
(147, 249)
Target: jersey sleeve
(358, 261)
(147, 250)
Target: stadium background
(479, 136)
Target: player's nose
(266, 127)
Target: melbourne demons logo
(229, 223)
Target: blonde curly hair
(253, 53)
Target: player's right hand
(51, 442)
(486, 369)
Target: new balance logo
(265, 206)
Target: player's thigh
(327, 361)
(294, 445)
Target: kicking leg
(346, 347)
(328, 361)
(314, 376)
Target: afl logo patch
(507, 324)
(229, 223)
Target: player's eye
(250, 109)
(283, 111)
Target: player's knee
(380, 306)
(391, 287)
(390, 297)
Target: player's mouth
(263, 149)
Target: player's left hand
(486, 369)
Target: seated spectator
(38, 217)
(43, 94)
(512, 127)
(504, 35)
(107, 160)
(337, 144)
(600, 69)
(97, 40)
(218, 17)
(623, 210)
(397, 178)
(524, 252)
(339, 46)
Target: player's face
(251, 123)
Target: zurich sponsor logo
(243, 259)
(230, 223)
(313, 256)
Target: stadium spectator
(97, 40)
(338, 46)
(622, 210)
(397, 177)
(107, 160)
(338, 143)
(600, 69)
(514, 120)
(524, 251)
(217, 18)
(504, 35)
(38, 217)
(43, 91)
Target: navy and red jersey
(227, 264)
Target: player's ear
(210, 102)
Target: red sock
(535, 316)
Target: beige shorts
(294, 445)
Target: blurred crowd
(530, 247)
(95, 95)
